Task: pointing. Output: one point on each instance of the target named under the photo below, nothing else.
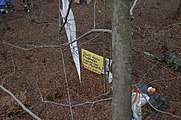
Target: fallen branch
(32, 46)
(10, 73)
(92, 102)
(50, 102)
(19, 103)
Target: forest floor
(36, 75)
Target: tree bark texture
(121, 44)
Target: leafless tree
(121, 44)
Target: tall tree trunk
(121, 43)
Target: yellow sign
(92, 61)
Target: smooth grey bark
(121, 44)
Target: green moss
(50, 98)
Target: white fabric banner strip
(108, 66)
(70, 29)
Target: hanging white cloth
(70, 29)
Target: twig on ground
(170, 70)
(73, 105)
(50, 102)
(22, 112)
(159, 80)
(132, 7)
(32, 46)
(146, 73)
(91, 102)
(149, 54)
(13, 96)
(89, 113)
(172, 25)
(19, 103)
(11, 72)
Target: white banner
(70, 28)
(108, 71)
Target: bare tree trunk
(121, 43)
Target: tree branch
(132, 7)
(19, 103)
